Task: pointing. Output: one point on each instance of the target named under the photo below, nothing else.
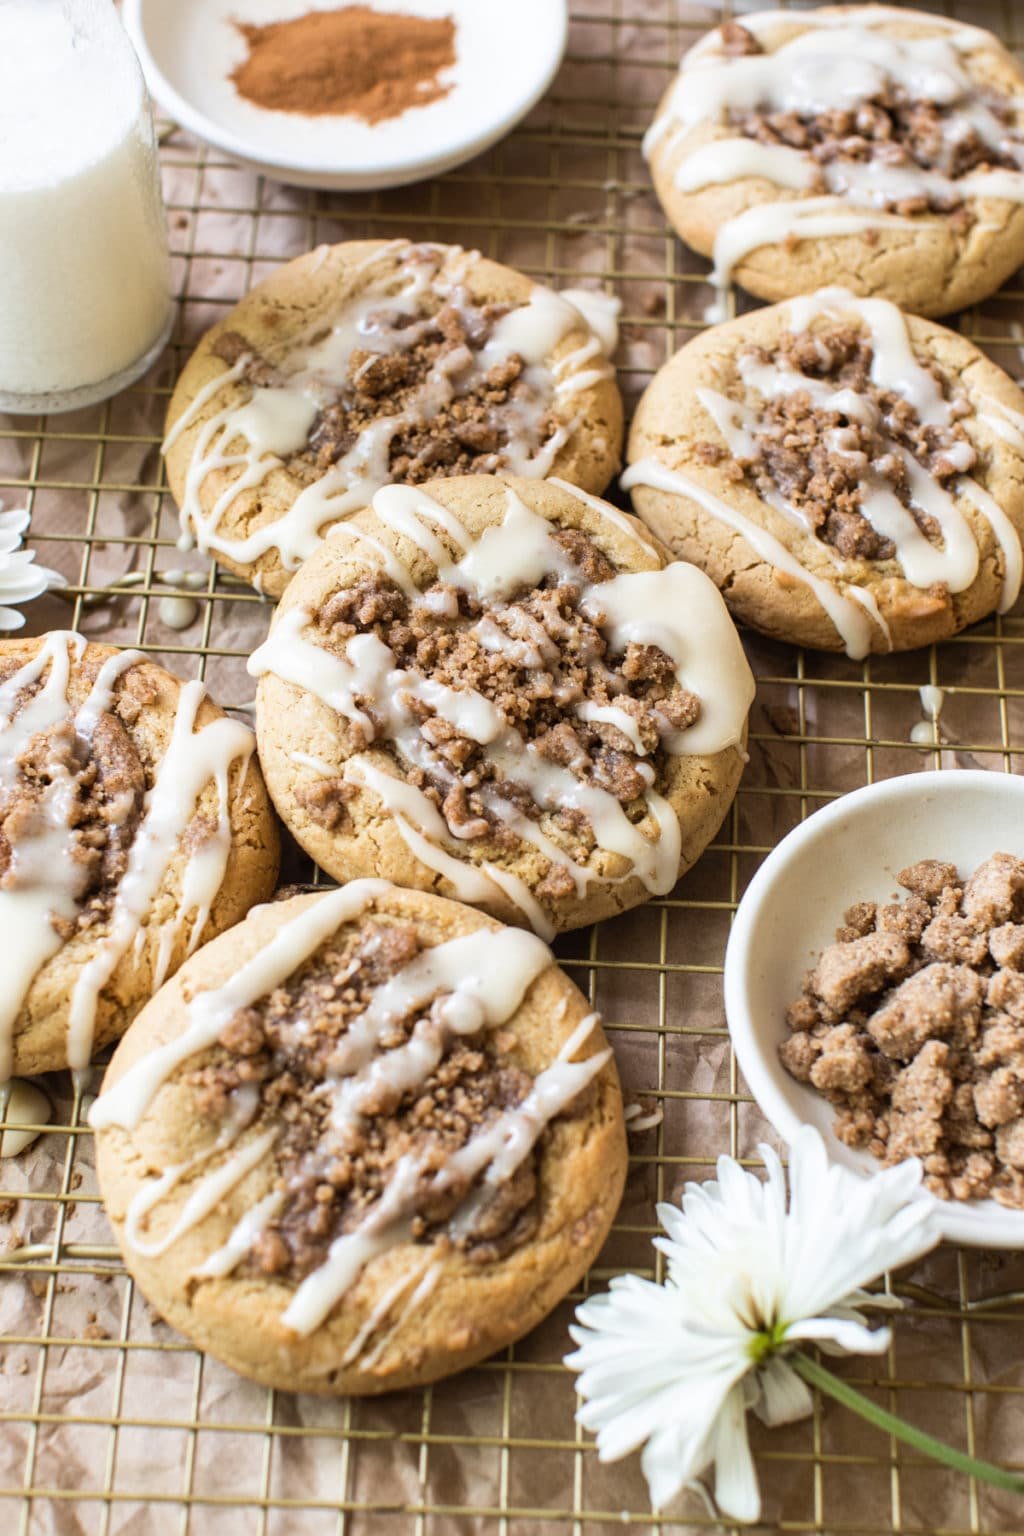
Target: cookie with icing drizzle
(851, 478)
(498, 689)
(361, 1141)
(871, 146)
(377, 362)
(134, 825)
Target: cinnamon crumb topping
(890, 129)
(822, 460)
(105, 782)
(389, 378)
(535, 656)
(289, 1045)
(912, 1025)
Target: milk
(84, 283)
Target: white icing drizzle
(610, 714)
(601, 312)
(1006, 537)
(677, 608)
(475, 981)
(500, 1147)
(637, 1121)
(126, 1102)
(1004, 421)
(423, 830)
(226, 1259)
(206, 1196)
(252, 438)
(932, 700)
(825, 65)
(428, 1281)
(45, 878)
(868, 601)
(495, 1151)
(630, 526)
(925, 733)
(192, 759)
(895, 367)
(21, 1104)
(380, 1312)
(953, 562)
(645, 607)
(811, 218)
(482, 978)
(317, 765)
(849, 618)
(736, 159)
(178, 612)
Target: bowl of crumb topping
(874, 988)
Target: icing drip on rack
(23, 1106)
(952, 560)
(832, 64)
(43, 886)
(676, 609)
(250, 439)
(471, 983)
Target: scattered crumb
(783, 718)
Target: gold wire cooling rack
(110, 1423)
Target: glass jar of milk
(85, 302)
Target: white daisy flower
(675, 1367)
(20, 578)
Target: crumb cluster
(912, 1025)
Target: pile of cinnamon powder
(353, 61)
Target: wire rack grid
(110, 1424)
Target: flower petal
(736, 1489)
(843, 1335)
(843, 1231)
(785, 1397)
(14, 521)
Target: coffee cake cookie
(498, 689)
(134, 825)
(866, 145)
(377, 362)
(362, 1141)
(850, 477)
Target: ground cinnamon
(353, 61)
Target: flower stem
(985, 1471)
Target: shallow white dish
(508, 54)
(851, 851)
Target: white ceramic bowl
(851, 851)
(508, 55)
